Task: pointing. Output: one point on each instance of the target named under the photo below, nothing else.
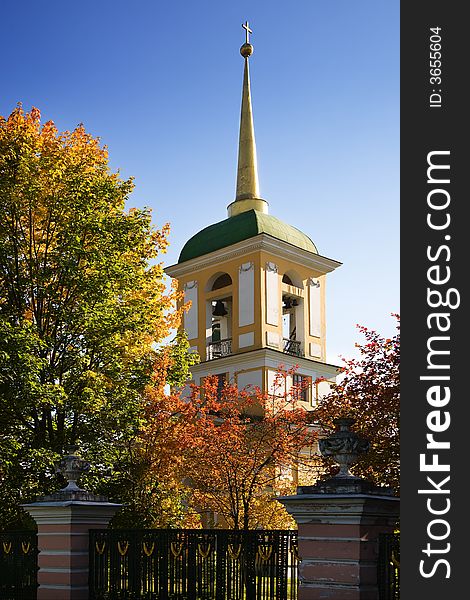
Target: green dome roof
(242, 227)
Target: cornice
(266, 354)
(265, 242)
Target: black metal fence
(18, 565)
(193, 564)
(388, 575)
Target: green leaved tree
(83, 306)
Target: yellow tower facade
(256, 286)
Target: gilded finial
(247, 49)
(247, 195)
(247, 29)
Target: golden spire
(247, 196)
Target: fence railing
(195, 564)
(388, 566)
(18, 565)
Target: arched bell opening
(293, 324)
(219, 331)
(218, 281)
(292, 313)
(219, 309)
(292, 278)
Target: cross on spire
(247, 29)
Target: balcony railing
(219, 349)
(292, 347)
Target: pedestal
(63, 544)
(338, 542)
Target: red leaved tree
(217, 452)
(370, 392)
(149, 477)
(245, 449)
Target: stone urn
(344, 446)
(72, 467)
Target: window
(302, 384)
(221, 380)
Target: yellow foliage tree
(83, 303)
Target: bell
(219, 309)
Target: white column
(191, 317)
(273, 299)
(314, 307)
(246, 294)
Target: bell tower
(256, 285)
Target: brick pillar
(338, 542)
(339, 521)
(63, 544)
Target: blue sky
(160, 83)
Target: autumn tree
(245, 445)
(82, 305)
(203, 450)
(150, 478)
(369, 391)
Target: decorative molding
(314, 282)
(271, 267)
(71, 513)
(262, 241)
(292, 290)
(270, 358)
(272, 339)
(189, 285)
(335, 510)
(315, 350)
(246, 339)
(246, 267)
